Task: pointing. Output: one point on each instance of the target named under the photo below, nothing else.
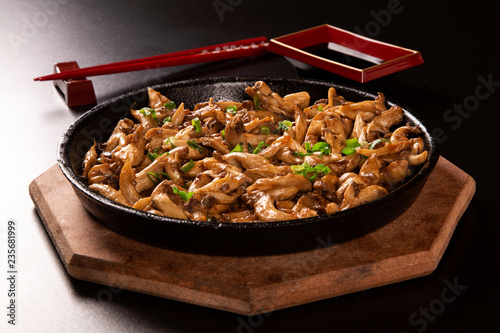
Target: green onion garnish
(265, 130)
(322, 147)
(194, 145)
(223, 134)
(351, 145)
(320, 108)
(169, 105)
(298, 167)
(284, 125)
(310, 174)
(188, 166)
(149, 112)
(232, 109)
(153, 114)
(256, 102)
(157, 176)
(322, 168)
(352, 142)
(164, 174)
(308, 171)
(196, 124)
(154, 155)
(238, 148)
(259, 147)
(376, 142)
(167, 120)
(348, 151)
(301, 154)
(318, 146)
(170, 141)
(151, 175)
(183, 194)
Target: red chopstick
(224, 51)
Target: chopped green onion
(154, 155)
(232, 109)
(284, 125)
(320, 108)
(298, 168)
(351, 145)
(348, 151)
(169, 105)
(183, 194)
(352, 142)
(265, 130)
(259, 147)
(151, 175)
(301, 154)
(308, 171)
(319, 145)
(322, 147)
(238, 148)
(376, 142)
(167, 120)
(256, 102)
(322, 168)
(170, 141)
(153, 114)
(194, 145)
(196, 124)
(311, 174)
(223, 134)
(188, 166)
(157, 176)
(149, 112)
(164, 174)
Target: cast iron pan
(229, 238)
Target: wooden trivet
(406, 248)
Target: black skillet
(230, 238)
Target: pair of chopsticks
(224, 51)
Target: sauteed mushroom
(268, 158)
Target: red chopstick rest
(76, 92)
(353, 56)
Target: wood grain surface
(408, 247)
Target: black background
(459, 43)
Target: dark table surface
(456, 93)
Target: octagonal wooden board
(408, 247)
